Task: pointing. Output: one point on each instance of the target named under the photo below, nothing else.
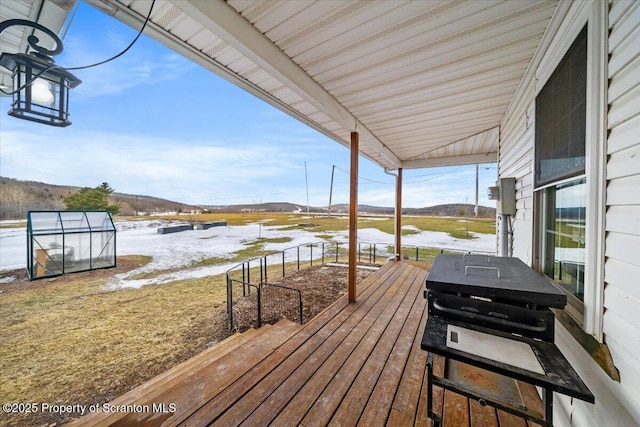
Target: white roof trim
(470, 159)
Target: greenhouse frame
(60, 242)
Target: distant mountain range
(18, 197)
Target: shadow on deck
(353, 364)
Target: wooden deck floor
(354, 364)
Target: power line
(365, 178)
(431, 177)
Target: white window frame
(594, 15)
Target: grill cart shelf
(489, 318)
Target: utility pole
(333, 169)
(306, 181)
(477, 208)
(466, 212)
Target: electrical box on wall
(494, 193)
(505, 193)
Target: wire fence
(251, 306)
(242, 305)
(253, 297)
(279, 302)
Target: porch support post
(353, 217)
(398, 219)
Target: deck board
(482, 416)
(382, 396)
(284, 382)
(407, 395)
(507, 419)
(390, 352)
(150, 390)
(353, 364)
(352, 354)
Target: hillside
(261, 207)
(18, 197)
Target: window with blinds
(561, 118)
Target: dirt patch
(320, 286)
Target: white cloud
(141, 164)
(136, 67)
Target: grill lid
(498, 278)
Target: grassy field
(71, 340)
(321, 225)
(456, 227)
(68, 340)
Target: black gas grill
(490, 318)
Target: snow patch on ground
(177, 251)
(410, 227)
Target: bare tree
(14, 203)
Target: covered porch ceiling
(49, 13)
(423, 82)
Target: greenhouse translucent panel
(103, 247)
(77, 252)
(45, 222)
(99, 221)
(47, 255)
(74, 221)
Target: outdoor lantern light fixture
(40, 87)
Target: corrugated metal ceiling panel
(427, 79)
(350, 48)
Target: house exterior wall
(615, 305)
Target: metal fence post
(259, 305)
(300, 303)
(311, 253)
(244, 289)
(248, 273)
(230, 302)
(283, 271)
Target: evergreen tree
(92, 199)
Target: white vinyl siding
(617, 403)
(516, 161)
(622, 222)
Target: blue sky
(153, 123)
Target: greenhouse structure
(60, 242)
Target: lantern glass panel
(45, 100)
